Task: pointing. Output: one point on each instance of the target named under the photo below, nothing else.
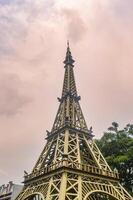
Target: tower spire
(69, 112)
(68, 60)
(67, 43)
(69, 85)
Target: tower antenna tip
(68, 43)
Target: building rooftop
(10, 191)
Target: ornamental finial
(67, 43)
(68, 60)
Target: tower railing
(72, 165)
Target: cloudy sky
(33, 35)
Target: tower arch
(35, 196)
(100, 195)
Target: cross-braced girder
(68, 185)
(77, 149)
(70, 150)
(71, 166)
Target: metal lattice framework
(71, 167)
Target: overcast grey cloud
(12, 98)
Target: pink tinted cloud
(32, 47)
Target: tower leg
(80, 187)
(63, 186)
(49, 189)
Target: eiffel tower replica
(71, 167)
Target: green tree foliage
(117, 147)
